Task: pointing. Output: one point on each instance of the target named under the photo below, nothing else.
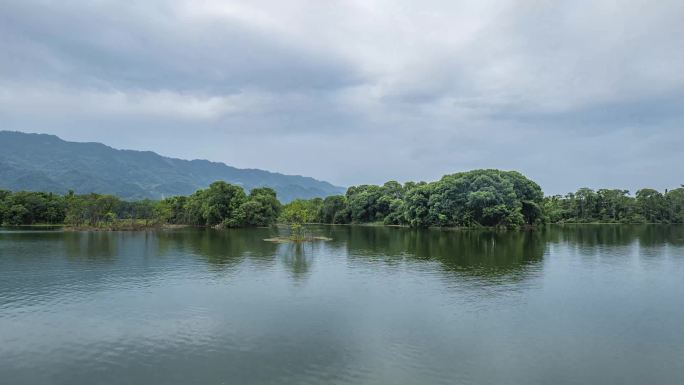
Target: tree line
(616, 206)
(221, 204)
(491, 198)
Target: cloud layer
(582, 93)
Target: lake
(600, 304)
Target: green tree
(485, 198)
(331, 207)
(308, 210)
(396, 213)
(262, 208)
(364, 205)
(417, 206)
(296, 214)
(651, 204)
(675, 205)
(18, 215)
(4, 195)
(217, 205)
(585, 204)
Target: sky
(570, 93)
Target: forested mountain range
(39, 162)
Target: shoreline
(123, 228)
(154, 227)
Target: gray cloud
(124, 46)
(570, 93)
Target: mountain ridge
(45, 162)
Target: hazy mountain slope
(47, 163)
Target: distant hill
(40, 162)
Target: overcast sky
(571, 93)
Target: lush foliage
(490, 198)
(27, 208)
(30, 207)
(616, 206)
(467, 199)
(296, 214)
(474, 198)
(221, 204)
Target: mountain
(40, 162)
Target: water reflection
(221, 249)
(615, 235)
(486, 254)
(232, 247)
(91, 246)
(374, 305)
(481, 253)
(297, 258)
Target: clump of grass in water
(297, 235)
(296, 216)
(297, 232)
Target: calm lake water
(561, 305)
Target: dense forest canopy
(221, 204)
(616, 206)
(491, 198)
(473, 198)
(466, 199)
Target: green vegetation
(220, 205)
(616, 206)
(468, 199)
(479, 198)
(490, 198)
(296, 214)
